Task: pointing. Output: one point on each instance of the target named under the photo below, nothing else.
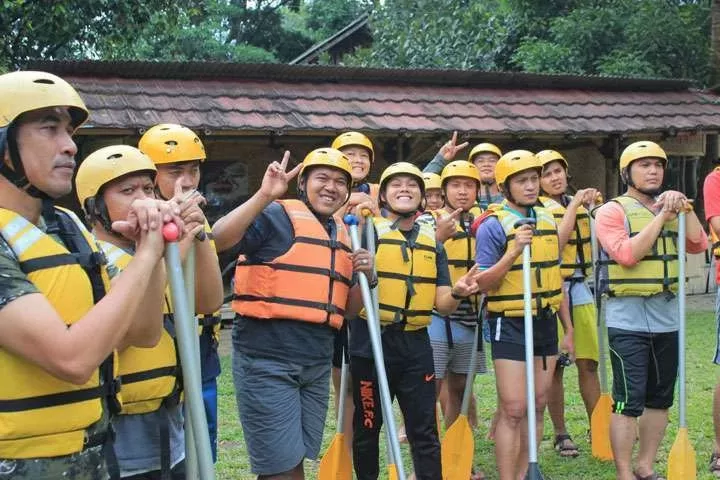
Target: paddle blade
(392, 472)
(457, 449)
(336, 463)
(600, 428)
(681, 462)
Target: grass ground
(233, 461)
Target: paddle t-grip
(170, 232)
(350, 219)
(525, 221)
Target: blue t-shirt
(269, 236)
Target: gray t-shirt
(137, 440)
(655, 314)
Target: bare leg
(455, 387)
(652, 431)
(511, 413)
(622, 438)
(589, 384)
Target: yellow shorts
(585, 334)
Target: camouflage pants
(86, 465)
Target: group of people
(93, 384)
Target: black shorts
(644, 370)
(340, 345)
(507, 337)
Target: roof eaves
(331, 41)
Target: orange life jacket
(309, 282)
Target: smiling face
(554, 178)
(461, 192)
(402, 193)
(47, 150)
(121, 192)
(359, 161)
(326, 189)
(434, 199)
(485, 163)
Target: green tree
(68, 29)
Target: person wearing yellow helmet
(359, 150)
(151, 419)
(711, 197)
(451, 336)
(54, 277)
(573, 220)
(177, 153)
(499, 257)
(433, 191)
(293, 286)
(413, 277)
(484, 156)
(637, 232)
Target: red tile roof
(294, 99)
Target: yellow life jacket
(460, 248)
(149, 376)
(657, 272)
(407, 275)
(41, 415)
(577, 254)
(507, 298)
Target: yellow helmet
(405, 168)
(432, 180)
(22, 92)
(547, 156)
(107, 164)
(327, 157)
(514, 162)
(638, 150)
(460, 168)
(484, 148)
(171, 143)
(351, 139)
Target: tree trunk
(715, 43)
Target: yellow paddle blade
(457, 449)
(600, 428)
(681, 462)
(392, 472)
(336, 463)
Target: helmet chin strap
(16, 174)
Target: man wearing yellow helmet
(177, 152)
(573, 220)
(499, 256)
(359, 150)
(293, 286)
(149, 434)
(637, 232)
(413, 277)
(58, 384)
(484, 156)
(452, 336)
(711, 196)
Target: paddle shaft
(370, 242)
(375, 342)
(602, 364)
(529, 357)
(470, 378)
(186, 332)
(682, 228)
(191, 460)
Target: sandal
(476, 475)
(565, 446)
(652, 476)
(402, 435)
(715, 464)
